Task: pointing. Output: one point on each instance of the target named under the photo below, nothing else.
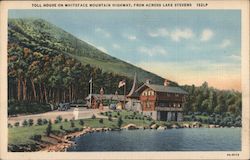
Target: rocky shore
(63, 142)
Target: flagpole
(124, 94)
(90, 93)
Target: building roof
(162, 88)
(107, 96)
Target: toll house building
(162, 102)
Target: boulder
(175, 126)
(154, 126)
(196, 125)
(161, 128)
(130, 126)
(186, 125)
(211, 126)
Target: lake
(195, 139)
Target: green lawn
(21, 135)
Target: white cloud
(116, 46)
(160, 32)
(176, 35)
(235, 57)
(103, 32)
(129, 36)
(206, 35)
(179, 34)
(157, 50)
(102, 49)
(225, 43)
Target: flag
(90, 81)
(166, 82)
(121, 83)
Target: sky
(188, 46)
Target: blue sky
(189, 46)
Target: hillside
(39, 35)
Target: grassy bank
(19, 136)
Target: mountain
(39, 34)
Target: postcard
(124, 79)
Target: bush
(61, 127)
(49, 129)
(110, 118)
(65, 120)
(119, 122)
(81, 122)
(204, 114)
(118, 113)
(36, 137)
(76, 129)
(25, 123)
(56, 121)
(39, 121)
(17, 124)
(93, 116)
(126, 117)
(26, 108)
(102, 113)
(115, 116)
(31, 122)
(45, 121)
(106, 113)
(9, 125)
(59, 118)
(100, 120)
(72, 124)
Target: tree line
(210, 100)
(50, 77)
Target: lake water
(196, 139)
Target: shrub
(31, 122)
(72, 124)
(9, 125)
(110, 118)
(25, 123)
(61, 127)
(39, 122)
(119, 122)
(115, 116)
(102, 113)
(49, 129)
(81, 122)
(118, 113)
(93, 116)
(36, 137)
(126, 117)
(106, 113)
(45, 121)
(100, 120)
(59, 118)
(56, 121)
(17, 124)
(65, 120)
(76, 129)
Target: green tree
(119, 122)
(49, 129)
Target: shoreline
(68, 140)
